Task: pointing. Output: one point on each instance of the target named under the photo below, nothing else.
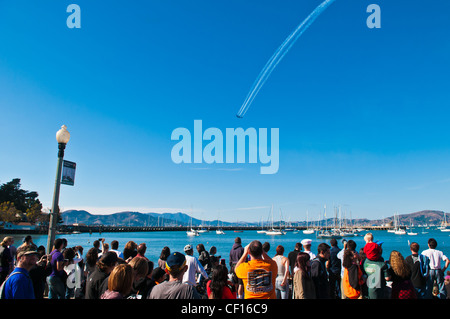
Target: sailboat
(273, 231)
(192, 231)
(308, 230)
(219, 230)
(398, 230)
(444, 227)
(262, 230)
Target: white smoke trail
(279, 54)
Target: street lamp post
(62, 137)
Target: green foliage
(17, 204)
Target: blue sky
(362, 113)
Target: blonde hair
(368, 237)
(399, 265)
(121, 279)
(6, 240)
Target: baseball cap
(187, 247)
(175, 261)
(27, 251)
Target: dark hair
(92, 256)
(255, 248)
(414, 247)
(347, 260)
(114, 244)
(219, 279)
(322, 247)
(432, 243)
(266, 247)
(58, 243)
(351, 245)
(298, 246)
(200, 248)
(69, 253)
(333, 242)
(165, 252)
(300, 262)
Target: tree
(22, 203)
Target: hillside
(430, 217)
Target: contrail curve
(279, 54)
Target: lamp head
(63, 136)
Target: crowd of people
(328, 272)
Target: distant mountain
(430, 217)
(134, 219)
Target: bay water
(177, 240)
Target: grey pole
(55, 207)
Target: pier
(114, 229)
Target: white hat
(305, 242)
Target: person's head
(115, 245)
(27, 240)
(298, 246)
(398, 265)
(27, 258)
(176, 265)
(351, 245)
(96, 244)
(266, 247)
(414, 247)
(141, 249)
(158, 275)
(348, 259)
(255, 249)
(188, 250)
(280, 250)
(219, 277)
(58, 244)
(213, 250)
(92, 256)
(121, 279)
(165, 252)
(200, 248)
(130, 245)
(333, 242)
(69, 254)
(432, 243)
(140, 267)
(303, 262)
(107, 262)
(7, 241)
(237, 240)
(323, 250)
(307, 244)
(368, 238)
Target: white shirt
(436, 256)
(194, 267)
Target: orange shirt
(259, 278)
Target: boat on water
(326, 234)
(308, 231)
(220, 232)
(400, 231)
(411, 233)
(261, 231)
(192, 232)
(275, 232)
